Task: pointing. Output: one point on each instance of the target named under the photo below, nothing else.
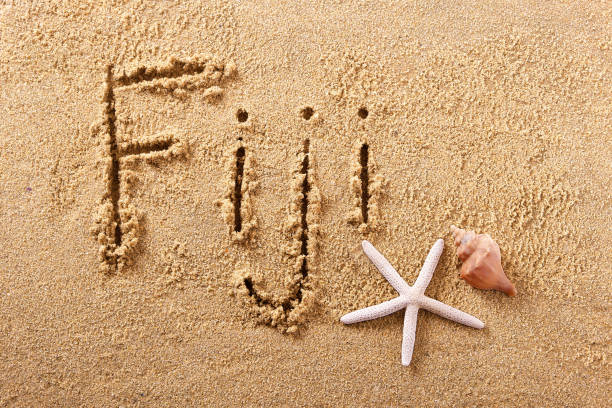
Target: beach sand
(184, 188)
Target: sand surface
(182, 189)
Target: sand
(184, 187)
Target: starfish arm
(374, 312)
(449, 312)
(429, 266)
(410, 321)
(385, 267)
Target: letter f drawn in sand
(117, 225)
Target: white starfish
(411, 298)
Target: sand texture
(184, 188)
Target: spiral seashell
(481, 260)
